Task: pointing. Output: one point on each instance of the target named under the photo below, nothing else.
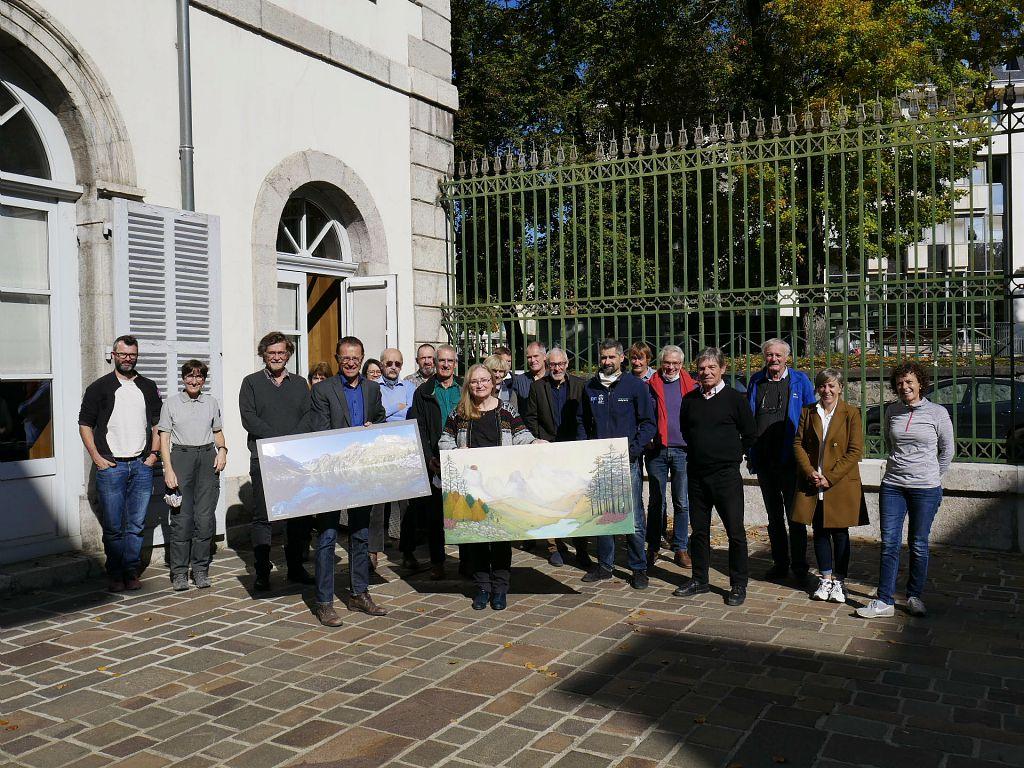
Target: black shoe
(736, 596)
(262, 583)
(481, 600)
(556, 559)
(802, 578)
(583, 561)
(596, 574)
(691, 588)
(639, 580)
(776, 573)
(498, 602)
(410, 563)
(301, 576)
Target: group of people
(800, 439)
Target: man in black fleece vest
(274, 403)
(719, 429)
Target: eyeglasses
(126, 355)
(557, 365)
(480, 382)
(392, 364)
(341, 359)
(278, 355)
(197, 376)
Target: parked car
(980, 407)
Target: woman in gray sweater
(919, 437)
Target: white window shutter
(370, 311)
(167, 290)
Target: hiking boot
(201, 579)
(179, 583)
(326, 614)
(365, 604)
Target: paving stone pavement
(570, 676)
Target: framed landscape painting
(342, 468)
(538, 491)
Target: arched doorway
(40, 374)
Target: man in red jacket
(668, 458)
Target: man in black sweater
(273, 403)
(719, 429)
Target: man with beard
(117, 423)
(425, 364)
(617, 405)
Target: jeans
(491, 565)
(193, 523)
(635, 543)
(722, 489)
(831, 546)
(358, 552)
(124, 491)
(895, 504)
(778, 487)
(658, 467)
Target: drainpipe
(185, 150)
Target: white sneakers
(876, 609)
(830, 590)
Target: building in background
(320, 129)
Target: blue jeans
(658, 467)
(636, 544)
(358, 552)
(895, 504)
(124, 491)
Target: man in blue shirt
(617, 405)
(345, 400)
(395, 393)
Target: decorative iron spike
(627, 145)
(825, 118)
(668, 138)
(474, 168)
(533, 156)
(744, 128)
(759, 125)
(915, 104)
(599, 149)
(896, 108)
(861, 112)
(727, 132)
(843, 114)
(698, 135)
(641, 146)
(521, 159)
(931, 99)
(808, 119)
(791, 120)
(951, 104)
(713, 135)
(485, 165)
(573, 152)
(560, 155)
(613, 148)
(878, 113)
(776, 123)
(462, 168)
(654, 138)
(684, 139)
(547, 156)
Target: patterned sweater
(513, 431)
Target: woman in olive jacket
(829, 496)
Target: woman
(829, 495)
(193, 453)
(373, 370)
(498, 367)
(919, 437)
(481, 420)
(319, 372)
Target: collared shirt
(647, 375)
(417, 378)
(826, 419)
(447, 398)
(396, 397)
(275, 381)
(190, 421)
(714, 390)
(354, 398)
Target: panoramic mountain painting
(539, 491)
(342, 468)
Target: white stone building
(320, 128)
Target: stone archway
(363, 223)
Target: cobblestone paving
(571, 675)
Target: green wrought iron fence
(862, 236)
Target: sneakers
(838, 594)
(555, 559)
(876, 609)
(597, 574)
(915, 606)
(639, 580)
(824, 590)
(326, 614)
(179, 583)
(201, 579)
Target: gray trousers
(193, 523)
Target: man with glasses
(117, 423)
(551, 413)
(274, 403)
(425, 364)
(396, 395)
(345, 400)
(432, 404)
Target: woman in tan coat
(829, 496)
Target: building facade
(320, 129)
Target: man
(395, 393)
(777, 394)
(617, 405)
(552, 413)
(668, 457)
(718, 429)
(345, 400)
(640, 361)
(424, 364)
(432, 404)
(274, 403)
(117, 423)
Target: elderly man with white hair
(777, 394)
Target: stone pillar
(431, 152)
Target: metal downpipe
(185, 149)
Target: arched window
(21, 149)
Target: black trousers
(297, 529)
(778, 488)
(723, 490)
(491, 564)
(430, 510)
(831, 546)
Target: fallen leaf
(421, 610)
(11, 728)
(700, 720)
(61, 685)
(552, 674)
(4, 722)
(530, 665)
(147, 618)
(507, 645)
(453, 662)
(101, 669)
(735, 765)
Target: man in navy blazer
(345, 400)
